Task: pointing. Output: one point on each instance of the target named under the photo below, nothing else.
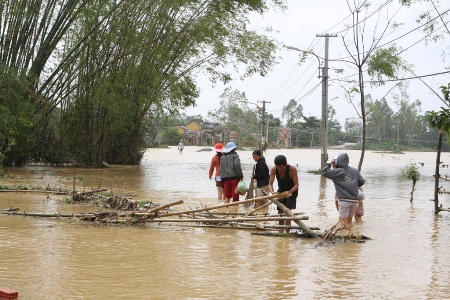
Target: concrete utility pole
(263, 145)
(324, 123)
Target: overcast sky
(298, 27)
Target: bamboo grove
(84, 80)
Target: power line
(394, 80)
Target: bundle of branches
(85, 195)
(105, 218)
(121, 203)
(338, 233)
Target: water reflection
(407, 258)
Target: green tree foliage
(411, 173)
(239, 116)
(441, 119)
(380, 123)
(353, 127)
(384, 62)
(101, 73)
(335, 134)
(292, 112)
(17, 118)
(171, 136)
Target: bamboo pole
(444, 177)
(35, 191)
(288, 212)
(234, 220)
(280, 234)
(264, 226)
(10, 209)
(155, 210)
(261, 207)
(281, 195)
(47, 215)
(243, 226)
(359, 239)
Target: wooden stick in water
(230, 220)
(262, 206)
(289, 213)
(277, 196)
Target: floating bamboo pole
(359, 239)
(259, 208)
(10, 209)
(243, 226)
(35, 191)
(165, 206)
(264, 226)
(281, 195)
(47, 215)
(280, 234)
(289, 213)
(231, 220)
(154, 212)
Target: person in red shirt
(215, 164)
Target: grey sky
(298, 27)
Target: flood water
(408, 257)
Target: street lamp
(263, 142)
(324, 121)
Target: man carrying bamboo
(287, 182)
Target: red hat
(219, 147)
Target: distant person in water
(180, 146)
(347, 181)
(287, 179)
(215, 164)
(230, 172)
(262, 176)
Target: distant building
(201, 133)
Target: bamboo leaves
(100, 70)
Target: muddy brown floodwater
(408, 257)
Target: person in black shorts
(287, 179)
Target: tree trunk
(436, 174)
(412, 192)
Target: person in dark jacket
(261, 175)
(347, 181)
(287, 179)
(230, 172)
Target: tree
(335, 134)
(237, 117)
(310, 126)
(171, 136)
(378, 61)
(100, 73)
(441, 121)
(379, 122)
(411, 173)
(353, 127)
